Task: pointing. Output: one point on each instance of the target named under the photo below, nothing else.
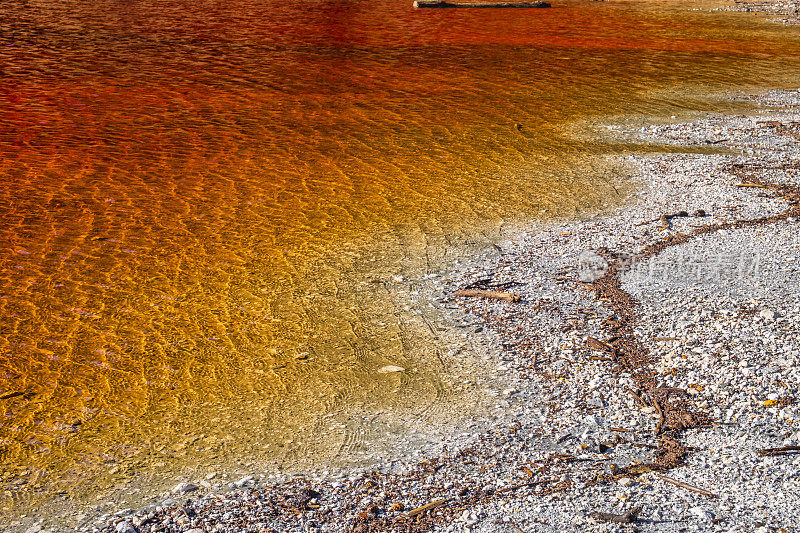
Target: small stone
(699, 213)
(390, 368)
(125, 527)
(246, 480)
(703, 514)
(183, 488)
(768, 314)
(625, 481)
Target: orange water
(206, 207)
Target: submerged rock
(390, 368)
(183, 488)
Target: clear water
(206, 206)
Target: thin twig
(521, 485)
(661, 417)
(686, 486)
(638, 398)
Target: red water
(194, 193)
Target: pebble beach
(579, 446)
(652, 361)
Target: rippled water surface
(214, 215)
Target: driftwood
(427, 507)
(686, 486)
(442, 3)
(628, 517)
(785, 450)
(492, 295)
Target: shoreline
(546, 467)
(570, 414)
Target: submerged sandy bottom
(215, 234)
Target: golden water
(206, 207)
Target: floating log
(443, 3)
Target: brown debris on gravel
(675, 409)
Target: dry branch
(785, 450)
(686, 486)
(427, 507)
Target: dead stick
(661, 417)
(686, 486)
(493, 295)
(521, 485)
(785, 450)
(638, 398)
(427, 507)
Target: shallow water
(214, 216)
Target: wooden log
(443, 3)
